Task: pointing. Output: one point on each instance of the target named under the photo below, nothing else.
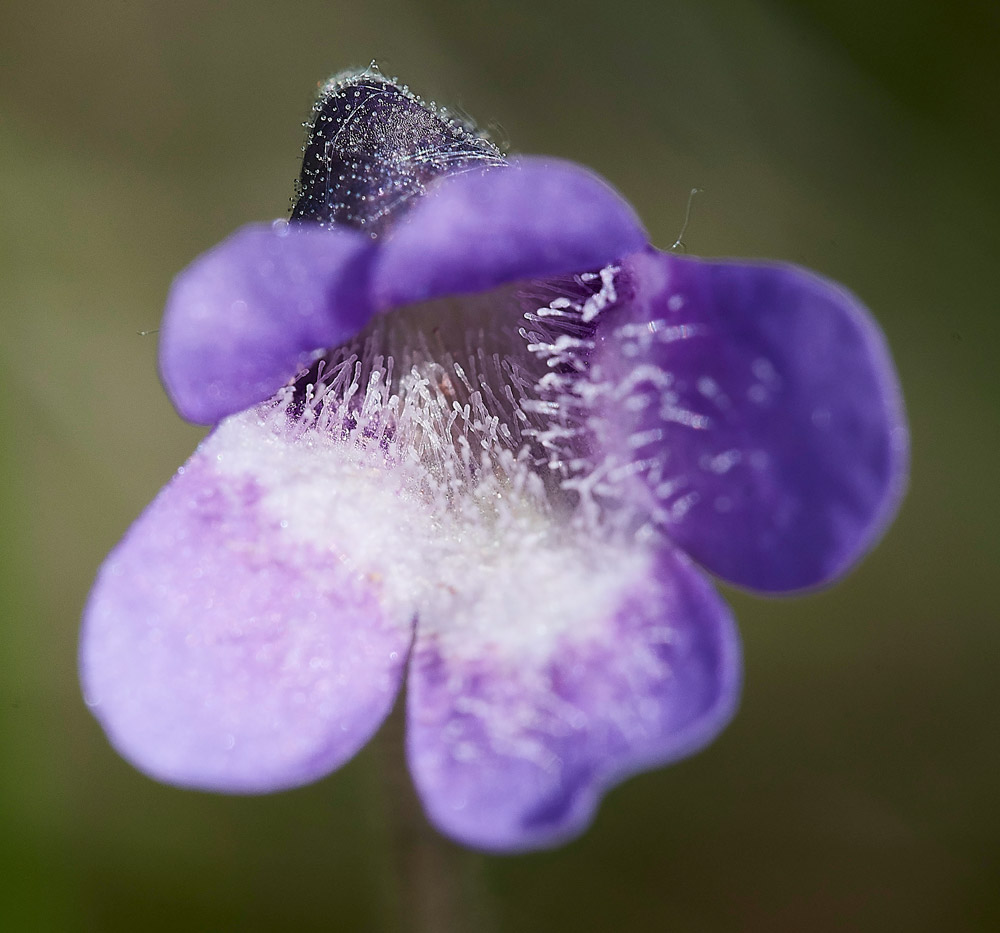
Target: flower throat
(483, 393)
(473, 391)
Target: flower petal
(474, 231)
(222, 651)
(242, 319)
(511, 750)
(767, 400)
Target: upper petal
(762, 400)
(518, 725)
(474, 231)
(243, 318)
(224, 648)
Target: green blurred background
(856, 790)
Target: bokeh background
(857, 789)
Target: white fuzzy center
(440, 455)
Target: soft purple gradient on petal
(514, 754)
(474, 231)
(781, 423)
(249, 632)
(219, 655)
(242, 319)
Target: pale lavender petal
(512, 750)
(223, 651)
(474, 231)
(766, 400)
(243, 318)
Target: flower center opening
(449, 455)
(478, 396)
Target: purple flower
(471, 427)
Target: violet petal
(514, 752)
(767, 397)
(221, 653)
(242, 319)
(474, 231)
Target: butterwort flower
(471, 430)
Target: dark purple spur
(472, 428)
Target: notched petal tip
(780, 436)
(243, 318)
(514, 754)
(218, 654)
(476, 230)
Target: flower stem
(440, 886)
